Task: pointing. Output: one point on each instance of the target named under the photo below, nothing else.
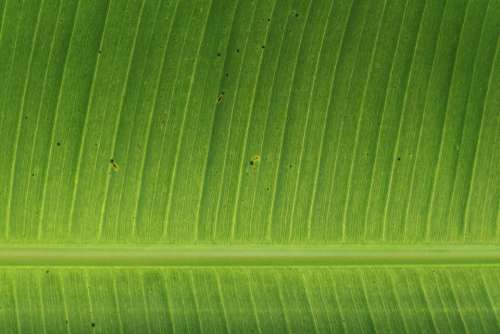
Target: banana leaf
(249, 166)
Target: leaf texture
(206, 124)
(251, 300)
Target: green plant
(249, 166)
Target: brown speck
(254, 160)
(220, 98)
(114, 165)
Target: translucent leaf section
(251, 300)
(294, 122)
(185, 165)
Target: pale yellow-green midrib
(248, 255)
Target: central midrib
(247, 255)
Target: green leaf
(249, 166)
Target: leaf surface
(249, 166)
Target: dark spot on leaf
(46, 271)
(399, 158)
(220, 98)
(237, 50)
(254, 160)
(296, 14)
(218, 54)
(268, 20)
(114, 165)
(263, 46)
(93, 324)
(33, 174)
(58, 144)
